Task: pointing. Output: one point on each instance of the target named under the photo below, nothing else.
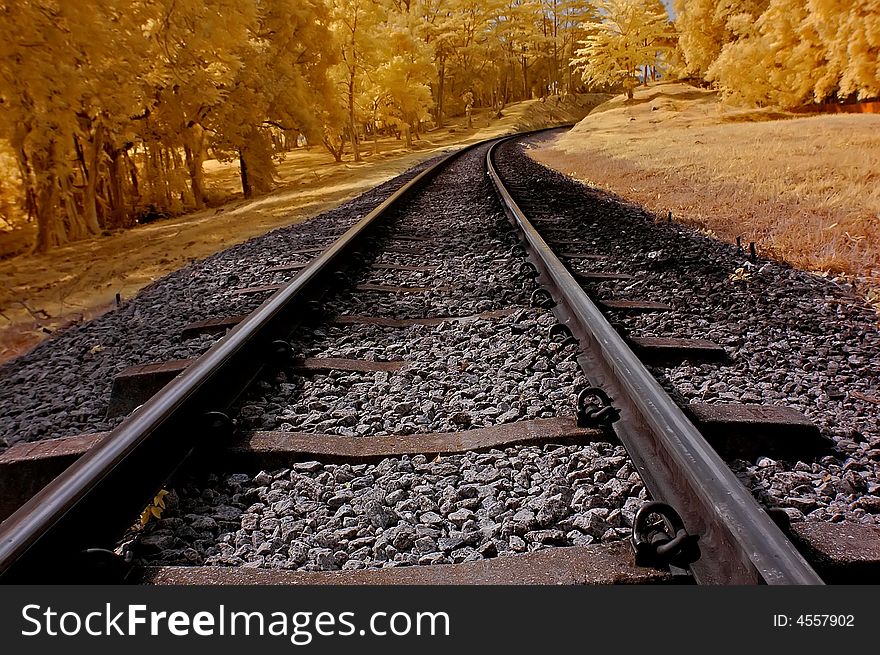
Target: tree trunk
(135, 184)
(352, 137)
(332, 149)
(50, 230)
(116, 197)
(245, 182)
(195, 155)
(76, 225)
(441, 89)
(165, 165)
(355, 150)
(90, 194)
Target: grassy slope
(77, 282)
(806, 190)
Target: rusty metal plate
(601, 564)
(278, 449)
(748, 431)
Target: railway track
(343, 391)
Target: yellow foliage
(705, 26)
(784, 52)
(155, 508)
(628, 34)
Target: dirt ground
(41, 294)
(806, 190)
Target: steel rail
(91, 504)
(739, 542)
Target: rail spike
(594, 409)
(664, 544)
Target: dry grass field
(40, 293)
(805, 189)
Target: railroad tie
(573, 242)
(135, 385)
(634, 306)
(265, 288)
(296, 266)
(582, 255)
(842, 553)
(409, 237)
(385, 288)
(600, 276)
(225, 323)
(26, 468)
(403, 250)
(405, 267)
(750, 431)
(355, 319)
(668, 350)
(211, 326)
(596, 564)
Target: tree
(110, 107)
(278, 87)
(850, 33)
(562, 24)
(355, 25)
(706, 26)
(65, 96)
(803, 50)
(628, 35)
(399, 87)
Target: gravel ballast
(401, 511)
(62, 387)
(794, 338)
(456, 375)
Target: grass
(806, 190)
